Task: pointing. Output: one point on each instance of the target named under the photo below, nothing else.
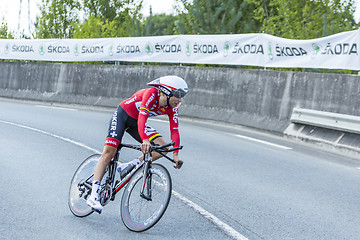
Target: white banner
(339, 51)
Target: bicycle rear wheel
(138, 213)
(80, 187)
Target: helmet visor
(180, 93)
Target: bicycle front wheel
(140, 213)
(80, 187)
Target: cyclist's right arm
(149, 99)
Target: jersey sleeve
(174, 128)
(147, 101)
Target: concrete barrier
(256, 98)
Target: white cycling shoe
(94, 202)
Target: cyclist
(131, 116)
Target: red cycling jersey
(144, 104)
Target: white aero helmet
(171, 86)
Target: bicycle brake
(98, 211)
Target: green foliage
(304, 19)
(159, 25)
(95, 27)
(296, 19)
(127, 22)
(102, 18)
(118, 10)
(57, 18)
(216, 17)
(4, 31)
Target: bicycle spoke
(139, 213)
(80, 187)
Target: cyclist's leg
(115, 132)
(106, 156)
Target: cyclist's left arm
(175, 136)
(174, 128)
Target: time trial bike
(147, 191)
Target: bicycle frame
(147, 183)
(117, 186)
(112, 187)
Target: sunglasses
(180, 93)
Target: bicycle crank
(105, 194)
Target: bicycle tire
(76, 200)
(139, 214)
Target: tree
(216, 17)
(304, 19)
(102, 18)
(4, 31)
(159, 25)
(95, 27)
(105, 18)
(112, 9)
(57, 18)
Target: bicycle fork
(146, 188)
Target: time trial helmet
(171, 85)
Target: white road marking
(225, 227)
(62, 108)
(263, 142)
(52, 135)
(228, 230)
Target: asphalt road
(262, 186)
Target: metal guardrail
(335, 121)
